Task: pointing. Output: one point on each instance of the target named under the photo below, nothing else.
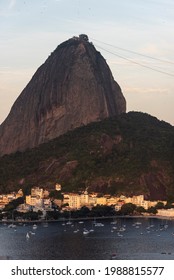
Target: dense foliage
(109, 156)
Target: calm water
(129, 238)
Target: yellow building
(84, 199)
(112, 201)
(74, 201)
(166, 212)
(34, 200)
(101, 200)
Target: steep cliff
(72, 88)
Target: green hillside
(131, 154)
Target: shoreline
(88, 219)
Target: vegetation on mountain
(130, 154)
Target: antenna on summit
(83, 37)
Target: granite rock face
(72, 88)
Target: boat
(11, 226)
(27, 235)
(45, 224)
(75, 231)
(122, 229)
(99, 225)
(120, 235)
(114, 228)
(85, 231)
(114, 222)
(34, 226)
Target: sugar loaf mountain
(69, 125)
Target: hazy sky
(32, 29)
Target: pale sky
(32, 29)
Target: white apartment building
(138, 200)
(34, 201)
(74, 201)
(84, 198)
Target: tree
(84, 211)
(14, 203)
(56, 194)
(127, 209)
(102, 210)
(159, 205)
(152, 210)
(31, 216)
(140, 209)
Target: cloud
(12, 4)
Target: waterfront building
(166, 212)
(84, 199)
(74, 201)
(34, 200)
(92, 201)
(111, 201)
(101, 200)
(128, 200)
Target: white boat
(114, 223)
(34, 226)
(27, 235)
(122, 229)
(75, 231)
(114, 228)
(11, 226)
(99, 225)
(85, 231)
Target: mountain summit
(72, 88)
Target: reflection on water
(124, 238)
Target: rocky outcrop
(72, 88)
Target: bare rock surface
(72, 88)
